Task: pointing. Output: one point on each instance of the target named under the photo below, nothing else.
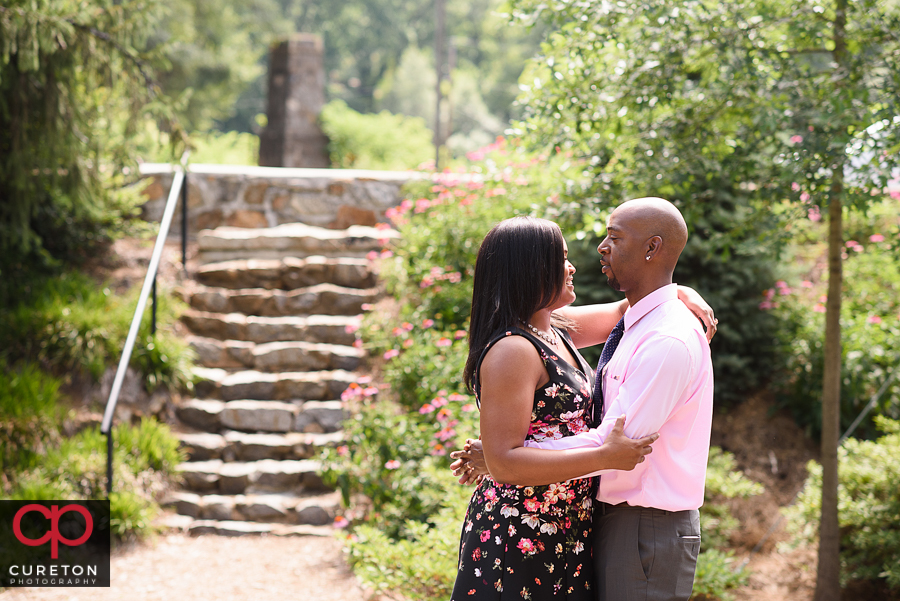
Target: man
(646, 524)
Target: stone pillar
(292, 137)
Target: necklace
(551, 340)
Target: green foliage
(869, 508)
(71, 325)
(130, 514)
(379, 141)
(29, 414)
(715, 575)
(870, 333)
(74, 79)
(145, 458)
(723, 481)
(423, 564)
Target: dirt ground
(175, 567)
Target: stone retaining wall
(255, 197)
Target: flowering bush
(870, 331)
(401, 430)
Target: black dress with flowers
(534, 542)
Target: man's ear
(654, 246)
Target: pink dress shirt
(661, 379)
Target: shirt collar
(650, 302)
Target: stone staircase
(272, 315)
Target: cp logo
(53, 536)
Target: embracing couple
(570, 502)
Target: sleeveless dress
(534, 542)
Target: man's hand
(623, 453)
(469, 466)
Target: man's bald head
(651, 216)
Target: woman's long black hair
(520, 269)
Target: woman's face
(567, 293)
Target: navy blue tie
(608, 349)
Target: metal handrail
(178, 184)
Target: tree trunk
(828, 576)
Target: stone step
(233, 528)
(247, 477)
(331, 329)
(275, 356)
(258, 385)
(289, 273)
(248, 415)
(275, 508)
(291, 239)
(321, 299)
(233, 445)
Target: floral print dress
(534, 542)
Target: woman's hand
(469, 466)
(699, 307)
(623, 453)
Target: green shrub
(130, 513)
(29, 414)
(869, 509)
(375, 141)
(71, 325)
(423, 564)
(145, 459)
(723, 481)
(870, 336)
(716, 575)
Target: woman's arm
(595, 322)
(509, 375)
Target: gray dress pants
(644, 554)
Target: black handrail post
(109, 462)
(153, 318)
(184, 221)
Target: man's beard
(613, 283)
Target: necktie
(608, 349)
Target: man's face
(621, 252)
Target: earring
(648, 257)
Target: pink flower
(532, 505)
(468, 408)
(873, 319)
(343, 450)
(439, 401)
(796, 139)
(386, 254)
(351, 327)
(340, 522)
(457, 397)
(382, 226)
(814, 214)
(407, 343)
(366, 306)
(444, 342)
(765, 305)
(370, 391)
(392, 464)
(895, 194)
(819, 308)
(781, 284)
(372, 255)
(526, 546)
(426, 408)
(485, 536)
(806, 284)
(407, 326)
(357, 343)
(876, 238)
(391, 354)
(804, 197)
(459, 334)
(427, 323)
(795, 187)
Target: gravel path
(175, 567)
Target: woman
(527, 530)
